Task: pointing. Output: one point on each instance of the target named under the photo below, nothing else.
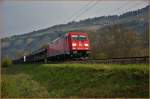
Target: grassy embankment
(75, 80)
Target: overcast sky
(19, 17)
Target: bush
(6, 62)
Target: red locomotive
(73, 44)
(70, 45)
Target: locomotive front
(79, 44)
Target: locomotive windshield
(82, 37)
(79, 37)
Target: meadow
(76, 80)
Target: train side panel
(58, 47)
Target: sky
(19, 17)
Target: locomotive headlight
(86, 44)
(74, 44)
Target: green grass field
(75, 80)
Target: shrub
(6, 62)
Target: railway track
(125, 60)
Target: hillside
(135, 22)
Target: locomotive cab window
(82, 37)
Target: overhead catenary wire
(78, 11)
(91, 6)
(118, 8)
(87, 9)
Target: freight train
(72, 45)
